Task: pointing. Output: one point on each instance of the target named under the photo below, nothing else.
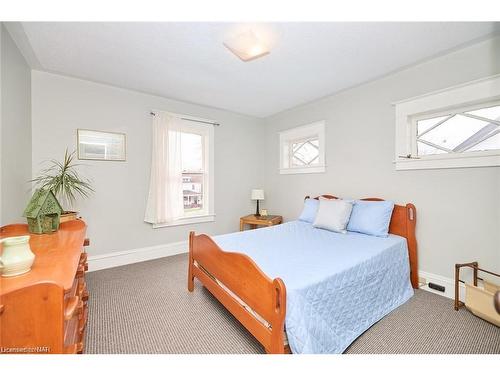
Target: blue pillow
(371, 217)
(310, 210)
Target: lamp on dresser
(257, 195)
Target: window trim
(187, 220)
(208, 131)
(303, 132)
(481, 92)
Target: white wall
(458, 209)
(115, 213)
(15, 139)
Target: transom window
(302, 149)
(460, 131)
(457, 127)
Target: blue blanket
(338, 285)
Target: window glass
(192, 191)
(492, 143)
(460, 132)
(192, 152)
(425, 125)
(193, 176)
(425, 149)
(492, 113)
(305, 152)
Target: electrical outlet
(437, 287)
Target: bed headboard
(403, 221)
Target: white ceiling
(187, 61)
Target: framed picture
(263, 212)
(97, 145)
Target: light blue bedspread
(338, 285)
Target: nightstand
(255, 221)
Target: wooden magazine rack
(478, 300)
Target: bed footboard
(243, 284)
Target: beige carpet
(146, 308)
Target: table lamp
(257, 195)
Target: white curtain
(165, 199)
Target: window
(459, 131)
(453, 128)
(182, 172)
(302, 149)
(197, 172)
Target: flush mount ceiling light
(247, 46)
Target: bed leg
(190, 281)
(190, 263)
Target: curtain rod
(190, 119)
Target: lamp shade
(257, 194)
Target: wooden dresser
(45, 310)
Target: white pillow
(333, 214)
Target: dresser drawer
(81, 289)
(83, 261)
(75, 331)
(82, 322)
(73, 311)
(74, 326)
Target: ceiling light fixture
(247, 46)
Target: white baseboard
(121, 258)
(448, 283)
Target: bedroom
(174, 128)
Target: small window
(302, 149)
(459, 132)
(458, 127)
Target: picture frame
(263, 212)
(100, 145)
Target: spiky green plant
(64, 180)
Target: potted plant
(65, 183)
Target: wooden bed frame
(239, 274)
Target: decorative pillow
(309, 211)
(371, 217)
(333, 214)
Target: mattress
(338, 285)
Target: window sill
(315, 169)
(449, 161)
(187, 220)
